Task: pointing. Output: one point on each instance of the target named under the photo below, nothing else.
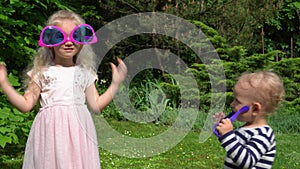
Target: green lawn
(189, 153)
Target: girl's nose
(68, 40)
(68, 43)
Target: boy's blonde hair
(264, 87)
(44, 56)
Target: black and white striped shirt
(249, 148)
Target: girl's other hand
(119, 72)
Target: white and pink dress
(63, 134)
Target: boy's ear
(256, 108)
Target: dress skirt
(62, 137)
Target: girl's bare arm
(25, 102)
(98, 102)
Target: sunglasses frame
(66, 39)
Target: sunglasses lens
(83, 34)
(52, 36)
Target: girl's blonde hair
(44, 56)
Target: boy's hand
(224, 126)
(217, 117)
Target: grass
(189, 153)
(288, 151)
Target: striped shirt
(249, 148)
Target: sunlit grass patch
(189, 153)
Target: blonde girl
(63, 79)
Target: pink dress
(63, 134)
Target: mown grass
(189, 153)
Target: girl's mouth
(68, 49)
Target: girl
(253, 145)
(63, 135)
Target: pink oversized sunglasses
(54, 36)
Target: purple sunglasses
(54, 36)
(232, 116)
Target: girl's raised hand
(119, 72)
(3, 74)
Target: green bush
(14, 125)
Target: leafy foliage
(14, 125)
(288, 69)
(20, 26)
(21, 22)
(282, 32)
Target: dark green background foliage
(247, 35)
